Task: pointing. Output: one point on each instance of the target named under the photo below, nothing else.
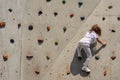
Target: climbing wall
(39, 39)
(105, 61)
(48, 27)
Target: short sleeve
(95, 35)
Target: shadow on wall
(77, 64)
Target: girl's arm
(101, 42)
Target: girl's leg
(89, 55)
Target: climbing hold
(19, 25)
(12, 41)
(48, 0)
(56, 43)
(103, 18)
(2, 24)
(113, 30)
(105, 72)
(110, 7)
(71, 15)
(10, 10)
(113, 57)
(30, 27)
(40, 13)
(48, 28)
(80, 4)
(37, 71)
(64, 29)
(29, 56)
(47, 57)
(64, 1)
(55, 13)
(5, 57)
(67, 69)
(97, 57)
(40, 41)
(82, 18)
(118, 18)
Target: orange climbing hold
(5, 57)
(71, 15)
(2, 24)
(48, 28)
(105, 72)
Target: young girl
(93, 34)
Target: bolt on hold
(29, 56)
(19, 25)
(64, 1)
(64, 29)
(40, 41)
(113, 57)
(82, 18)
(118, 18)
(71, 15)
(110, 7)
(105, 72)
(40, 13)
(48, 28)
(10, 10)
(5, 57)
(48, 0)
(2, 24)
(80, 4)
(97, 57)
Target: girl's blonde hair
(97, 29)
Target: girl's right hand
(104, 43)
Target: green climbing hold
(97, 57)
(64, 1)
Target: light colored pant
(86, 48)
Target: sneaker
(86, 69)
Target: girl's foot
(86, 69)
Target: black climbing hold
(56, 43)
(55, 13)
(40, 41)
(103, 18)
(82, 18)
(47, 57)
(97, 57)
(48, 0)
(113, 30)
(10, 10)
(30, 27)
(110, 7)
(40, 13)
(37, 72)
(19, 25)
(80, 4)
(64, 29)
(12, 41)
(113, 57)
(29, 57)
(63, 1)
(118, 18)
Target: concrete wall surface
(39, 39)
